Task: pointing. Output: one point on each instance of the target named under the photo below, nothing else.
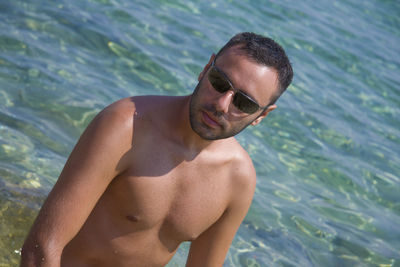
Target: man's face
(212, 114)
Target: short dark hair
(265, 51)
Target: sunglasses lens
(245, 104)
(240, 100)
(217, 81)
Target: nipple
(132, 218)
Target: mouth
(210, 121)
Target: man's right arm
(101, 154)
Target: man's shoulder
(134, 103)
(238, 154)
(114, 122)
(242, 171)
(121, 110)
(241, 174)
(129, 108)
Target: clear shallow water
(328, 159)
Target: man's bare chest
(180, 201)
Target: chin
(202, 131)
(209, 134)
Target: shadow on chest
(181, 203)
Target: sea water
(327, 160)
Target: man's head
(264, 51)
(239, 86)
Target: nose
(223, 101)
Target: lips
(210, 121)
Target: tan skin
(140, 181)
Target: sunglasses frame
(226, 79)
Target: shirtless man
(150, 172)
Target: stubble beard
(203, 130)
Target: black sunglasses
(222, 84)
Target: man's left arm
(211, 247)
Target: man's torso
(167, 195)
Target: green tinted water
(328, 159)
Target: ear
(263, 115)
(205, 69)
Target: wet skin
(141, 180)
